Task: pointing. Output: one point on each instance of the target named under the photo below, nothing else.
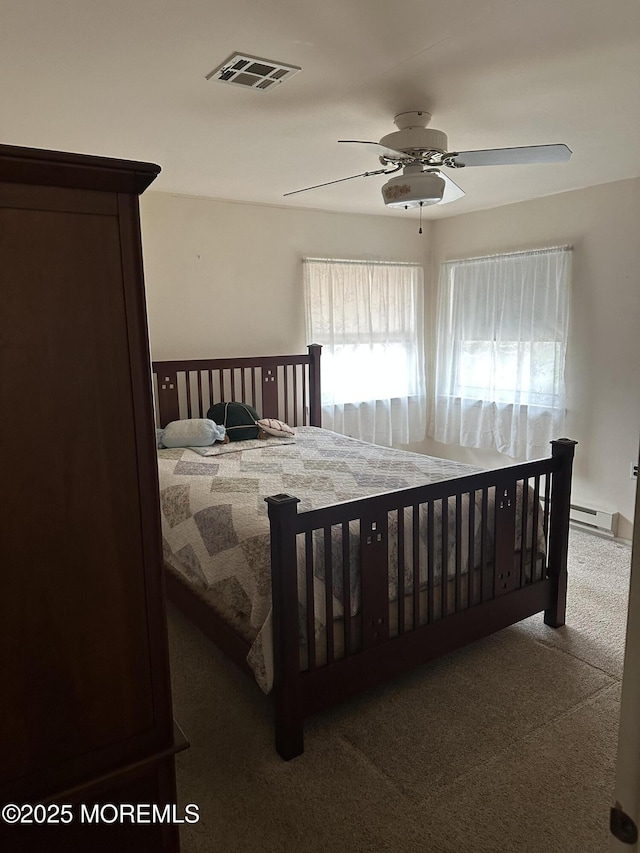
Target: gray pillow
(192, 432)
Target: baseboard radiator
(597, 520)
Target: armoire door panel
(74, 639)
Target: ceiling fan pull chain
(420, 229)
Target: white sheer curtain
(369, 318)
(501, 342)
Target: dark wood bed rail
(501, 591)
(285, 386)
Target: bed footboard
(409, 576)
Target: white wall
(225, 279)
(603, 355)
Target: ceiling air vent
(240, 69)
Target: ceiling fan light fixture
(413, 190)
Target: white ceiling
(126, 78)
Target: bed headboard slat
(166, 395)
(270, 395)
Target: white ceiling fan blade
(350, 178)
(380, 150)
(452, 191)
(528, 154)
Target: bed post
(563, 448)
(286, 632)
(315, 404)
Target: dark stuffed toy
(239, 420)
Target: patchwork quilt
(216, 528)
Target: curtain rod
(377, 263)
(510, 254)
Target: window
(501, 343)
(369, 318)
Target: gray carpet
(507, 745)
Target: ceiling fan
(421, 153)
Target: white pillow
(192, 432)
(275, 427)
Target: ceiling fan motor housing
(414, 140)
(413, 190)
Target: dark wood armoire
(85, 710)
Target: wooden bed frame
(506, 590)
